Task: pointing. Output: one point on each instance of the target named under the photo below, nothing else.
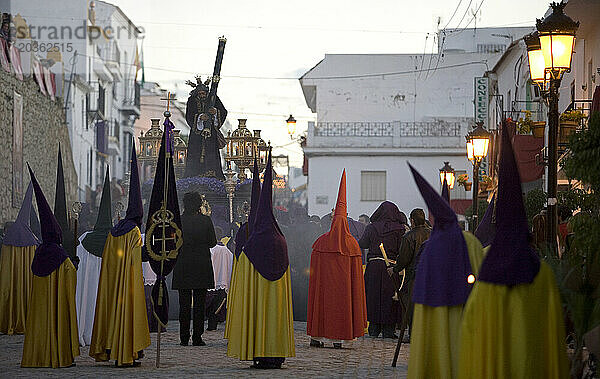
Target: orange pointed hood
(338, 239)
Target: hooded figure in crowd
(336, 293)
(513, 324)
(445, 272)
(387, 227)
(89, 253)
(240, 239)
(51, 338)
(120, 322)
(18, 250)
(261, 315)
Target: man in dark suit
(193, 273)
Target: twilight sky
(271, 43)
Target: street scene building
(308, 190)
(377, 112)
(91, 48)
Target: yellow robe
(514, 332)
(16, 280)
(434, 342)
(261, 315)
(120, 321)
(51, 338)
(230, 297)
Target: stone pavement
(364, 358)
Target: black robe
(193, 269)
(379, 286)
(210, 166)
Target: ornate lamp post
(556, 42)
(478, 141)
(150, 145)
(180, 153)
(447, 172)
(230, 183)
(291, 126)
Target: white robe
(88, 275)
(222, 261)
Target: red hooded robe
(336, 291)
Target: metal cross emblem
(168, 99)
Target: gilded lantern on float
(150, 146)
(243, 146)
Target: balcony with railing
(114, 140)
(112, 58)
(431, 134)
(131, 103)
(95, 102)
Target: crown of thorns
(198, 82)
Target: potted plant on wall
(484, 183)
(569, 121)
(526, 125)
(463, 181)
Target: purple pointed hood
(486, 230)
(135, 209)
(446, 191)
(444, 266)
(242, 236)
(510, 260)
(266, 247)
(20, 234)
(50, 254)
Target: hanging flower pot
(567, 127)
(568, 123)
(468, 186)
(485, 183)
(538, 128)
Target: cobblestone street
(365, 357)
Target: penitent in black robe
(210, 164)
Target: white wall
(324, 173)
(393, 88)
(471, 40)
(447, 91)
(587, 50)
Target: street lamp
(291, 125)
(478, 141)
(557, 40)
(447, 172)
(537, 65)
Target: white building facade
(512, 93)
(91, 47)
(376, 112)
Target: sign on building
(481, 101)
